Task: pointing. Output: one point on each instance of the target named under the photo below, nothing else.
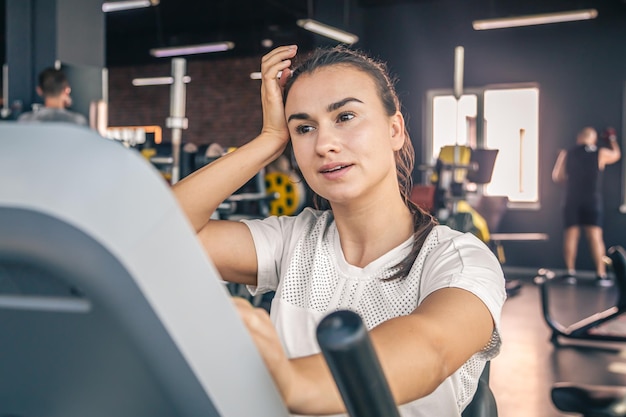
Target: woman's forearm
(312, 389)
(200, 193)
(416, 352)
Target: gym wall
(223, 103)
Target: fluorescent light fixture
(192, 49)
(140, 82)
(115, 6)
(328, 31)
(535, 19)
(258, 75)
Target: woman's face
(342, 139)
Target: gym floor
(529, 364)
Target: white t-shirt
(301, 259)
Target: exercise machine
(458, 169)
(447, 197)
(591, 400)
(108, 304)
(597, 326)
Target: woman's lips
(335, 170)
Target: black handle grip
(348, 350)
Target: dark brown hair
(52, 82)
(423, 222)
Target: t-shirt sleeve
(463, 261)
(274, 238)
(267, 235)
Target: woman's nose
(327, 140)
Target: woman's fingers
(274, 63)
(268, 343)
(255, 319)
(279, 54)
(262, 330)
(284, 76)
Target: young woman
(431, 296)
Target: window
(461, 131)
(503, 118)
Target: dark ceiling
(130, 34)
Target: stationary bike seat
(590, 400)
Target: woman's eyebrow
(341, 103)
(330, 108)
(298, 116)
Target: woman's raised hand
(274, 63)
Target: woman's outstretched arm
(417, 352)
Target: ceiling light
(114, 6)
(328, 31)
(192, 49)
(258, 75)
(140, 82)
(535, 19)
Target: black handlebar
(350, 355)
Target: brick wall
(223, 104)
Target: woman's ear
(398, 131)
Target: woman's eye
(302, 129)
(344, 117)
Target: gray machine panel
(108, 304)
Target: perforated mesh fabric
(470, 372)
(316, 280)
(317, 283)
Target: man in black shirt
(581, 168)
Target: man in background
(581, 168)
(55, 90)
